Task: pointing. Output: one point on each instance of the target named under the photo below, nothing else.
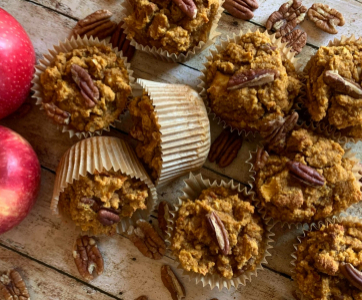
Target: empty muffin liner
(67, 46)
(99, 154)
(194, 185)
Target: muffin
(328, 262)
(86, 88)
(309, 179)
(334, 88)
(250, 81)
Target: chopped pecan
(12, 286)
(58, 115)
(351, 274)
(260, 159)
(163, 215)
(108, 216)
(252, 77)
(91, 202)
(218, 229)
(188, 7)
(241, 9)
(268, 48)
(172, 283)
(342, 85)
(87, 257)
(288, 16)
(297, 39)
(142, 298)
(86, 85)
(325, 18)
(97, 24)
(305, 174)
(120, 41)
(147, 240)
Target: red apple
(17, 59)
(19, 178)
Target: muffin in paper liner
(184, 128)
(99, 154)
(235, 38)
(164, 55)
(67, 46)
(194, 185)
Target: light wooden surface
(40, 247)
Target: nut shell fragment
(172, 283)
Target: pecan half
(325, 18)
(58, 115)
(188, 7)
(218, 229)
(241, 9)
(163, 215)
(252, 77)
(86, 85)
(305, 174)
(172, 283)
(91, 202)
(12, 286)
(288, 16)
(260, 159)
(230, 153)
(342, 85)
(352, 275)
(142, 298)
(108, 216)
(297, 39)
(120, 41)
(147, 240)
(87, 257)
(97, 24)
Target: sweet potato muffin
(165, 24)
(250, 83)
(309, 180)
(334, 87)
(86, 89)
(219, 233)
(328, 262)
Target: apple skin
(17, 60)
(19, 178)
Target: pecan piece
(163, 215)
(325, 18)
(188, 7)
(91, 202)
(252, 77)
(12, 286)
(58, 115)
(241, 9)
(147, 240)
(260, 159)
(86, 85)
(352, 275)
(108, 216)
(305, 174)
(342, 85)
(97, 24)
(219, 231)
(120, 41)
(297, 39)
(87, 257)
(172, 283)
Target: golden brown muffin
(194, 242)
(249, 83)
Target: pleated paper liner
(67, 46)
(194, 185)
(185, 128)
(99, 154)
(235, 38)
(164, 55)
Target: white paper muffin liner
(67, 46)
(185, 128)
(194, 185)
(164, 55)
(99, 154)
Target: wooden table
(41, 246)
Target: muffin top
(86, 88)
(163, 24)
(328, 261)
(250, 83)
(309, 180)
(98, 202)
(147, 131)
(239, 244)
(334, 87)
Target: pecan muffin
(86, 89)
(250, 82)
(307, 180)
(171, 25)
(328, 262)
(220, 233)
(99, 201)
(334, 90)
